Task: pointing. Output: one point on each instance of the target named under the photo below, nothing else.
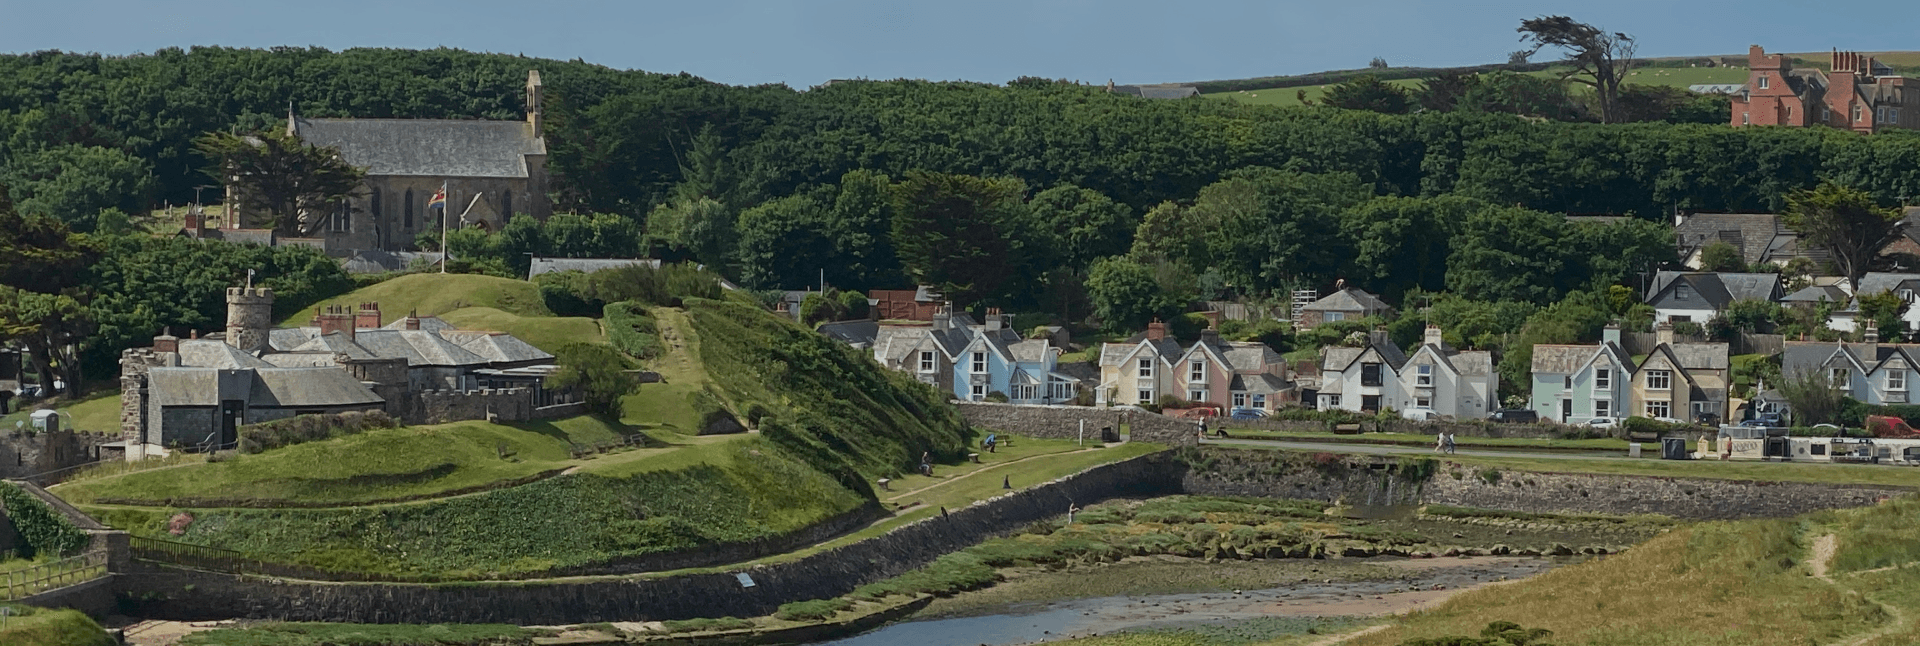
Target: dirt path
(166, 633)
(1821, 564)
(1342, 638)
(1823, 549)
(942, 483)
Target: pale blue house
(996, 360)
(1575, 383)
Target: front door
(231, 412)
(1566, 410)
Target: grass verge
(320, 634)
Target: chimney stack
(1156, 330)
(166, 342)
(1610, 334)
(1433, 336)
(336, 318)
(994, 320)
(368, 318)
(1663, 333)
(1872, 333)
(412, 321)
(943, 317)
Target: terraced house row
(1575, 383)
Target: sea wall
(1064, 422)
(1364, 481)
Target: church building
(491, 169)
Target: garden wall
(22, 455)
(1063, 422)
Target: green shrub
(300, 429)
(1650, 426)
(631, 330)
(703, 625)
(562, 292)
(41, 627)
(945, 576)
(711, 414)
(41, 529)
(997, 397)
(815, 610)
(323, 634)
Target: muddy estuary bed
(1270, 598)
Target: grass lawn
(382, 465)
(99, 411)
(1679, 77)
(436, 294)
(1410, 439)
(41, 627)
(543, 332)
(1291, 95)
(664, 404)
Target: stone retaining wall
(1063, 422)
(22, 455)
(1363, 481)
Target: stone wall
(22, 455)
(1363, 481)
(1063, 422)
(442, 406)
(191, 595)
(1473, 429)
(560, 410)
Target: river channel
(1419, 582)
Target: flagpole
(443, 227)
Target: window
(1826, 113)
(1763, 82)
(1330, 317)
(407, 208)
(1819, 449)
(1196, 395)
(1333, 399)
(1841, 378)
(1370, 402)
(1423, 375)
(1602, 408)
(1197, 371)
(1602, 379)
(1746, 118)
(1567, 382)
(373, 206)
(1682, 292)
(979, 363)
(1659, 380)
(926, 362)
(343, 220)
(1659, 409)
(1146, 367)
(1857, 114)
(979, 392)
(1896, 380)
(1423, 402)
(1146, 396)
(1680, 319)
(506, 205)
(1239, 400)
(1369, 374)
(1259, 401)
(1906, 295)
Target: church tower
(533, 101)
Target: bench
(883, 482)
(975, 457)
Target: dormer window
(926, 362)
(1896, 380)
(1682, 292)
(979, 363)
(1423, 375)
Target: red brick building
(1859, 94)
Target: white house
(1695, 297)
(1435, 381)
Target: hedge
(301, 429)
(42, 530)
(632, 331)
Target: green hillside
(477, 500)
(1679, 77)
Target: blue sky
(805, 43)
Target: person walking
(1449, 437)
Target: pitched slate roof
(428, 147)
(586, 265)
(1260, 383)
(209, 353)
(336, 343)
(1817, 293)
(1718, 289)
(1877, 282)
(1351, 299)
(1701, 356)
(1798, 356)
(1250, 356)
(261, 387)
(1751, 233)
(1561, 359)
(427, 324)
(497, 347)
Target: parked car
(1419, 415)
(1515, 416)
(1601, 422)
(1249, 413)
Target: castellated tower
(249, 317)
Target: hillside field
(1679, 77)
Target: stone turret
(249, 317)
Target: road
(1389, 449)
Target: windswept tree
(280, 180)
(1597, 58)
(1368, 92)
(1847, 222)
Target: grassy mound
(437, 294)
(1712, 583)
(543, 332)
(381, 465)
(821, 399)
(733, 491)
(41, 627)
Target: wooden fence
(29, 581)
